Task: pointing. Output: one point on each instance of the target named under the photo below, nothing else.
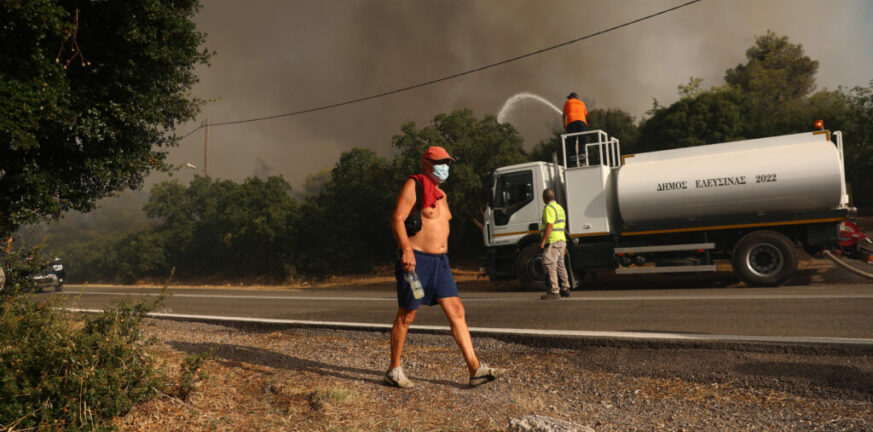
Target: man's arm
(548, 224)
(405, 202)
(546, 233)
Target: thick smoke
(277, 57)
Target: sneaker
(485, 374)
(396, 378)
(565, 293)
(550, 296)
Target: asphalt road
(816, 311)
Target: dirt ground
(262, 379)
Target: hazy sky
(276, 57)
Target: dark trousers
(576, 126)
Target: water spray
(511, 104)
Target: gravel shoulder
(268, 379)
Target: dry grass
(251, 388)
(308, 380)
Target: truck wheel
(764, 258)
(59, 287)
(529, 268)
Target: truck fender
(526, 240)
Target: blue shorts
(436, 279)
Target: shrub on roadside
(190, 373)
(18, 268)
(62, 374)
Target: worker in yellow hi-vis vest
(554, 244)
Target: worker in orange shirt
(575, 114)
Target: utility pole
(206, 149)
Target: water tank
(790, 173)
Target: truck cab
(512, 217)
(516, 207)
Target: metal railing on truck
(608, 150)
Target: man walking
(554, 244)
(575, 120)
(424, 252)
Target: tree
(710, 117)
(89, 94)
(775, 79)
(315, 182)
(258, 236)
(618, 124)
(859, 144)
(347, 225)
(691, 89)
(544, 149)
(221, 228)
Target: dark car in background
(52, 275)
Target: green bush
(18, 268)
(62, 374)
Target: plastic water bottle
(415, 284)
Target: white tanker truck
(673, 211)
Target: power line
(189, 133)
(456, 75)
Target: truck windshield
(513, 191)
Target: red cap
(436, 153)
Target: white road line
(235, 297)
(686, 337)
(516, 298)
(728, 297)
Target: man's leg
(577, 150)
(577, 143)
(550, 262)
(454, 310)
(402, 322)
(570, 146)
(561, 268)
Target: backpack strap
(419, 193)
(413, 221)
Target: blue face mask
(441, 172)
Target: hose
(847, 267)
